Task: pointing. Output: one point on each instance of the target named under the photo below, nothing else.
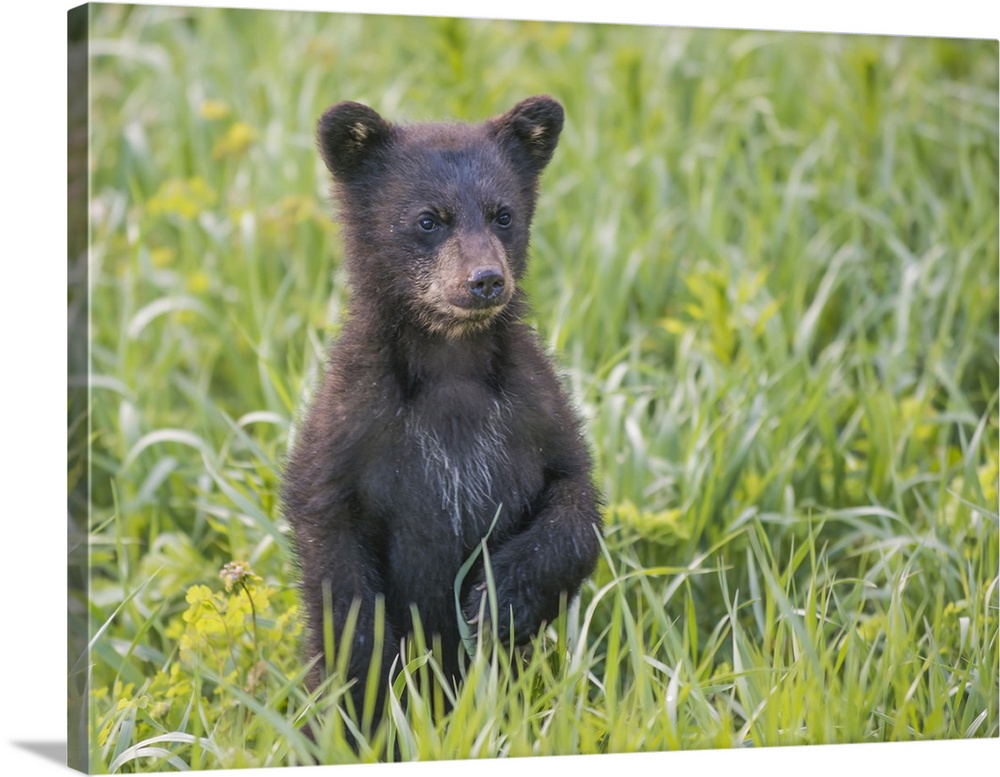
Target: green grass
(768, 266)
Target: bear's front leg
(552, 556)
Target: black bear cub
(439, 404)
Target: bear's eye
(503, 219)
(427, 222)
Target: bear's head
(437, 216)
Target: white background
(33, 359)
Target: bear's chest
(444, 464)
(459, 463)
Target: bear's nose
(485, 283)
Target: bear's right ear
(531, 130)
(349, 133)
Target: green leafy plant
(228, 646)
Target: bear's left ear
(530, 131)
(350, 134)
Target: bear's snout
(485, 283)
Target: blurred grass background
(767, 264)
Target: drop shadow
(51, 751)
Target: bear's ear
(530, 130)
(350, 133)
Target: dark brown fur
(438, 403)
